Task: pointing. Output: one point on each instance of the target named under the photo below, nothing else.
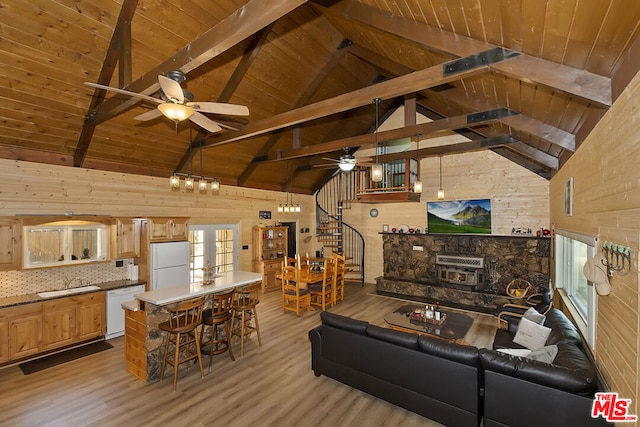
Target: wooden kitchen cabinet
(29, 329)
(24, 330)
(173, 229)
(125, 238)
(58, 323)
(269, 250)
(91, 316)
(10, 244)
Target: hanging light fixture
(189, 182)
(417, 186)
(289, 207)
(376, 170)
(440, 191)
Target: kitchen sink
(64, 292)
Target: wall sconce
(617, 258)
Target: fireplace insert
(460, 270)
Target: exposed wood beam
(256, 43)
(520, 122)
(400, 86)
(461, 147)
(114, 53)
(124, 60)
(522, 161)
(238, 26)
(580, 83)
(309, 91)
(368, 140)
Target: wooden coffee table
(454, 328)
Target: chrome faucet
(68, 282)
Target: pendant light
(202, 185)
(189, 182)
(440, 191)
(376, 170)
(417, 185)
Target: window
(572, 251)
(64, 243)
(213, 244)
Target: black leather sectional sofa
(454, 384)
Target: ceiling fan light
(174, 182)
(376, 172)
(417, 187)
(177, 112)
(347, 165)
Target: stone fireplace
(454, 269)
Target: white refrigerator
(169, 264)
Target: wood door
(4, 341)
(25, 335)
(58, 323)
(179, 229)
(126, 242)
(91, 316)
(10, 244)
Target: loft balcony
(398, 177)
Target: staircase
(337, 194)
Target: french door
(215, 244)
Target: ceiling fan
(177, 103)
(347, 161)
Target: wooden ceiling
(540, 73)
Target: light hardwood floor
(272, 385)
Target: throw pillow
(533, 315)
(531, 335)
(522, 352)
(545, 354)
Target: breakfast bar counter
(143, 339)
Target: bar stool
(218, 315)
(243, 309)
(181, 328)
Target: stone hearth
(410, 267)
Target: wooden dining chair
(340, 269)
(322, 293)
(181, 328)
(293, 297)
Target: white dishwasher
(115, 313)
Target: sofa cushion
(571, 370)
(343, 322)
(531, 335)
(404, 339)
(534, 316)
(465, 354)
(562, 329)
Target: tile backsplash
(21, 282)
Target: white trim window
(572, 251)
(216, 244)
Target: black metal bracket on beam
(344, 43)
(478, 60)
(498, 113)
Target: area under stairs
(332, 232)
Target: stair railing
(335, 195)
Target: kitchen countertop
(31, 298)
(225, 281)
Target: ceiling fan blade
(363, 159)
(171, 88)
(220, 108)
(149, 115)
(124, 92)
(205, 122)
(330, 160)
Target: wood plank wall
(607, 204)
(37, 189)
